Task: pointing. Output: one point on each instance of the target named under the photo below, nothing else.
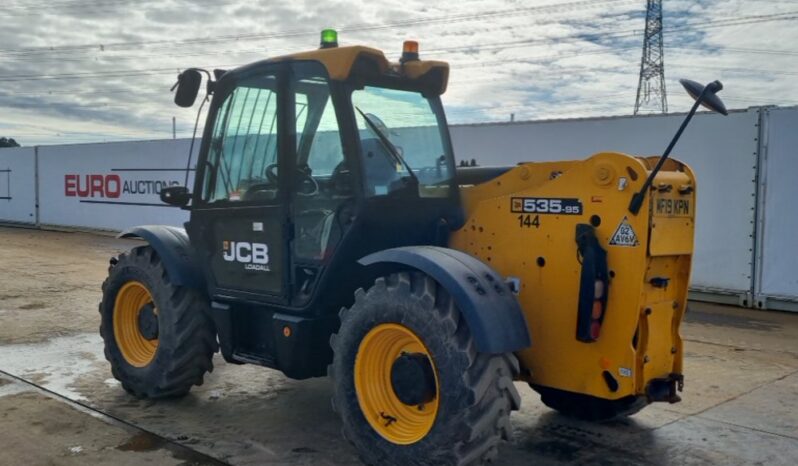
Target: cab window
(242, 159)
(402, 140)
(318, 139)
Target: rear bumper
(665, 389)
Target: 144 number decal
(546, 205)
(528, 221)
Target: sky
(74, 71)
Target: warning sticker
(624, 235)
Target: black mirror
(176, 195)
(703, 95)
(709, 100)
(188, 84)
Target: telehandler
(331, 233)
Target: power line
(448, 19)
(736, 49)
(31, 9)
(106, 53)
(599, 39)
(521, 59)
(580, 4)
(503, 45)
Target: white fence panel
(18, 185)
(777, 284)
(111, 186)
(721, 150)
(115, 185)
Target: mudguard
(174, 250)
(489, 307)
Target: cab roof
(342, 63)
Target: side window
(323, 181)
(318, 139)
(243, 153)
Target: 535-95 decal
(530, 208)
(546, 205)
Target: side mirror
(703, 95)
(176, 196)
(188, 84)
(709, 100)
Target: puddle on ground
(303, 450)
(55, 364)
(8, 388)
(145, 441)
(33, 306)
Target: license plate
(673, 206)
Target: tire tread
(191, 354)
(487, 383)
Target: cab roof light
(409, 51)
(329, 39)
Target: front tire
(471, 395)
(158, 336)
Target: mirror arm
(193, 138)
(639, 197)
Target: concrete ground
(60, 405)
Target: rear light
(593, 285)
(595, 329)
(598, 289)
(598, 310)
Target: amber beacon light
(409, 51)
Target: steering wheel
(306, 180)
(271, 174)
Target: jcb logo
(254, 255)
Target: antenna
(651, 97)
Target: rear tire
(181, 353)
(475, 391)
(590, 408)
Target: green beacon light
(329, 39)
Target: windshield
(413, 125)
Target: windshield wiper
(388, 145)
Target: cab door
(322, 192)
(239, 214)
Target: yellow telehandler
(331, 233)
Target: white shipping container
(111, 186)
(777, 245)
(745, 218)
(18, 185)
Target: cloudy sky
(99, 70)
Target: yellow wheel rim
(395, 421)
(137, 350)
